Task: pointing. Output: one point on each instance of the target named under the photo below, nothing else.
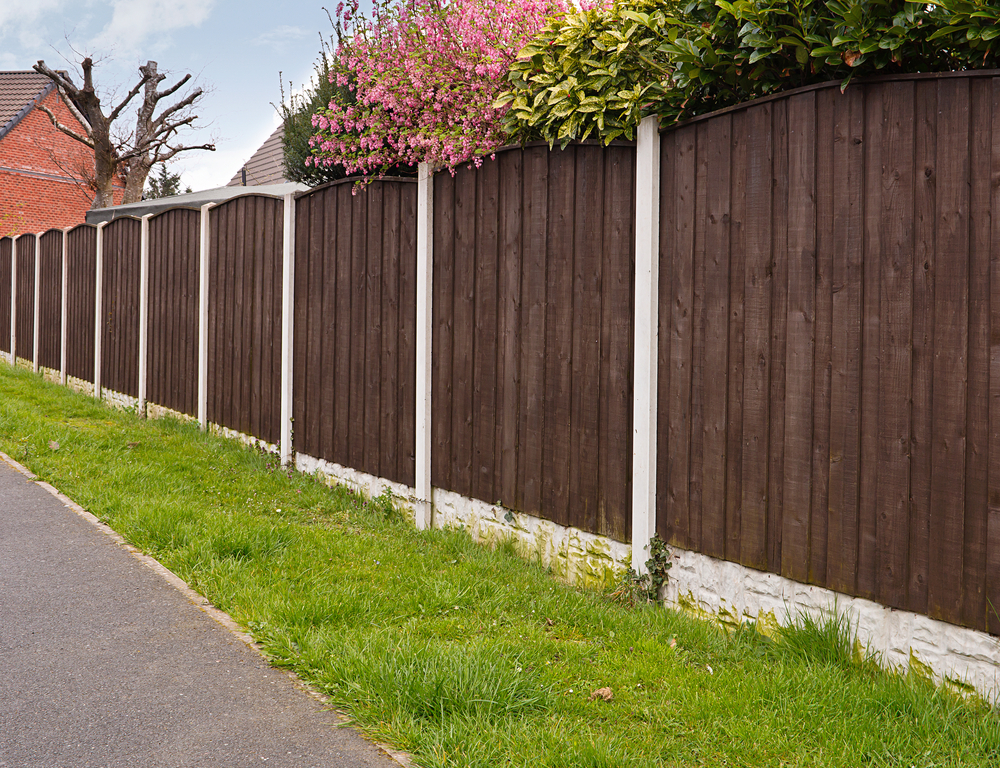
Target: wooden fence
(532, 367)
(6, 268)
(355, 311)
(49, 324)
(245, 316)
(81, 272)
(174, 242)
(827, 378)
(24, 298)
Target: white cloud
(16, 17)
(279, 37)
(133, 22)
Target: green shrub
(598, 72)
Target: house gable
(42, 170)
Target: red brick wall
(38, 163)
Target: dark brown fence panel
(172, 363)
(355, 317)
(25, 297)
(120, 306)
(827, 380)
(6, 249)
(81, 278)
(532, 363)
(50, 299)
(244, 376)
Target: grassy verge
(463, 655)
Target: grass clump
(467, 656)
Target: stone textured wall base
(729, 593)
(576, 556)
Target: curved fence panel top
(825, 330)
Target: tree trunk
(135, 181)
(104, 174)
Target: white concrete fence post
(36, 324)
(63, 305)
(143, 312)
(98, 308)
(203, 317)
(647, 246)
(425, 279)
(287, 327)
(13, 301)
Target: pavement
(107, 660)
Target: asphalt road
(104, 664)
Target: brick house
(41, 169)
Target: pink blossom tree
(418, 81)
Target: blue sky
(234, 50)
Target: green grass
(463, 655)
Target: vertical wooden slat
(779, 331)
(373, 328)
(848, 189)
(585, 400)
(800, 338)
(993, 478)
(463, 351)
(737, 341)
(875, 113)
(407, 332)
(359, 222)
(320, 294)
(277, 367)
(716, 320)
(895, 344)
(757, 340)
(618, 335)
(665, 291)
(922, 355)
(259, 261)
(698, 321)
(391, 406)
(819, 501)
(345, 348)
(305, 332)
(681, 335)
(558, 337)
(974, 605)
(444, 329)
(951, 330)
(509, 325)
(533, 287)
(484, 375)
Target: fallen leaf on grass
(53, 445)
(602, 693)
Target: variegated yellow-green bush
(598, 72)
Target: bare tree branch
(68, 131)
(173, 88)
(174, 150)
(131, 95)
(127, 154)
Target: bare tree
(125, 154)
